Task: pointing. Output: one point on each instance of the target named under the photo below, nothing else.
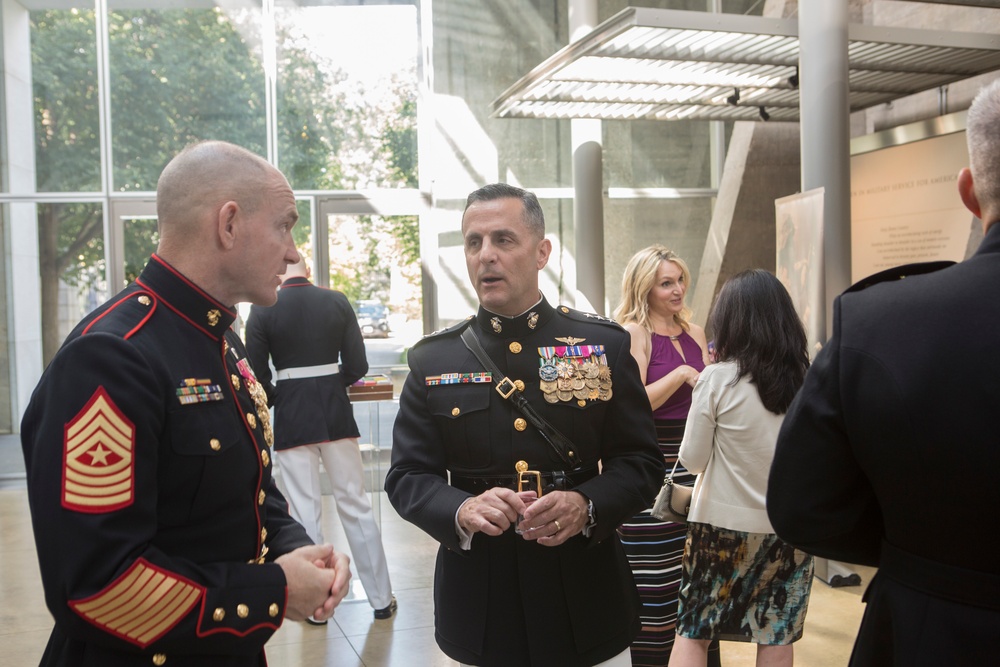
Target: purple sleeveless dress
(663, 358)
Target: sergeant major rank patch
(98, 458)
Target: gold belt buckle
(506, 394)
(524, 477)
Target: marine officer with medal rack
(523, 440)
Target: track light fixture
(764, 115)
(735, 97)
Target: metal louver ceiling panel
(669, 64)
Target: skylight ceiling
(659, 64)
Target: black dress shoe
(312, 621)
(383, 614)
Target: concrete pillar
(588, 185)
(826, 162)
(24, 344)
(825, 133)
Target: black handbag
(673, 502)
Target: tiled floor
(354, 638)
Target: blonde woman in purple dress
(671, 352)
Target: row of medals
(564, 380)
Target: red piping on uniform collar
(213, 335)
(190, 284)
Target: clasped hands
(317, 578)
(551, 519)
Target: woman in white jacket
(739, 581)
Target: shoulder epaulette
(582, 316)
(898, 273)
(455, 328)
(126, 316)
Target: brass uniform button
(515, 347)
(235, 379)
(273, 610)
(251, 420)
(564, 309)
(261, 497)
(218, 614)
(265, 458)
(242, 611)
(455, 412)
(570, 453)
(144, 300)
(581, 403)
(159, 659)
(520, 424)
(215, 444)
(519, 384)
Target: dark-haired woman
(739, 581)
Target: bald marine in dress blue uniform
(161, 537)
(555, 588)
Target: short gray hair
(983, 136)
(533, 217)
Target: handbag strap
(562, 445)
(670, 477)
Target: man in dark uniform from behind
(554, 589)
(161, 537)
(306, 333)
(888, 456)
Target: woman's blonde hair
(638, 281)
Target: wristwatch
(591, 516)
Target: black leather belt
(552, 480)
(958, 584)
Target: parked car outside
(373, 318)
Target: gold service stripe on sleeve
(142, 605)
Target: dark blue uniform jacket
(509, 601)
(149, 481)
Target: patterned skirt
(741, 586)
(654, 549)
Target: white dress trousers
(342, 461)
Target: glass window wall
(64, 68)
(72, 266)
(347, 96)
(179, 75)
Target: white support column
(825, 133)
(24, 290)
(588, 184)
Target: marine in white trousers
(342, 460)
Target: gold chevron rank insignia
(98, 464)
(142, 605)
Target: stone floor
(354, 638)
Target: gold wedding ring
(558, 527)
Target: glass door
(133, 237)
